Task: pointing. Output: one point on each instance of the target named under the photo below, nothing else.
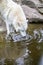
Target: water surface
(21, 53)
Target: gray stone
(31, 13)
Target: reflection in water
(41, 31)
(35, 53)
(2, 61)
(41, 60)
(36, 34)
(20, 61)
(21, 53)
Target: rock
(39, 5)
(34, 4)
(29, 3)
(31, 13)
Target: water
(22, 53)
(41, 60)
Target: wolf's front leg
(8, 30)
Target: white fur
(13, 15)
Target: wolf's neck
(3, 4)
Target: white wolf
(14, 16)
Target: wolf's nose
(23, 33)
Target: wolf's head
(21, 27)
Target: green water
(11, 51)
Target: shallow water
(21, 53)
